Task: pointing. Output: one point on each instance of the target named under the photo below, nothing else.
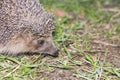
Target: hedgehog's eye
(40, 42)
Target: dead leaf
(60, 13)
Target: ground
(88, 36)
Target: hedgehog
(25, 27)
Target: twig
(114, 16)
(110, 9)
(94, 51)
(105, 43)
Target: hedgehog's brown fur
(23, 17)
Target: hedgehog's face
(33, 44)
(41, 44)
(44, 45)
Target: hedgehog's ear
(17, 35)
(28, 36)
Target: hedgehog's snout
(56, 53)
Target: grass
(80, 58)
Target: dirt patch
(112, 49)
(58, 74)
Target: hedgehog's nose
(56, 53)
